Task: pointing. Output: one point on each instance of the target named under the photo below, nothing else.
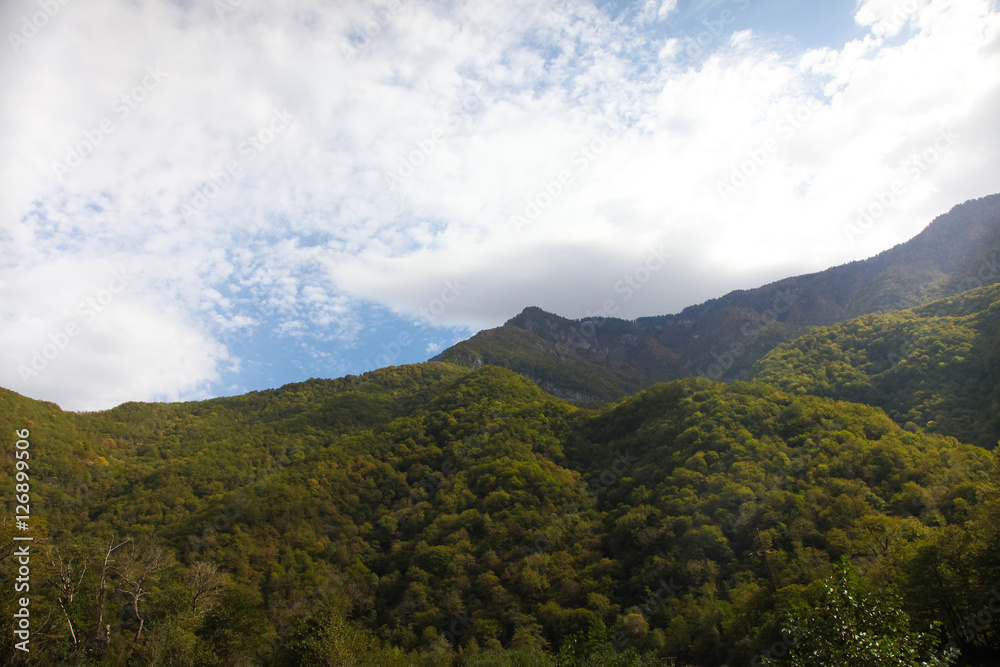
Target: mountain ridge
(723, 337)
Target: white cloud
(474, 113)
(657, 10)
(96, 325)
(887, 18)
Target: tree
(102, 589)
(137, 571)
(595, 648)
(852, 625)
(206, 583)
(328, 638)
(68, 584)
(235, 628)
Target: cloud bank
(292, 166)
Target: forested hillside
(935, 368)
(436, 515)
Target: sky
(206, 197)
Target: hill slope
(936, 367)
(431, 499)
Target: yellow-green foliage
(934, 368)
(375, 515)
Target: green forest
(438, 515)
(933, 368)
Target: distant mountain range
(599, 359)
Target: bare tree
(68, 584)
(139, 567)
(102, 588)
(206, 582)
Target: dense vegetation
(934, 368)
(433, 514)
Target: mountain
(935, 367)
(436, 515)
(600, 359)
(539, 498)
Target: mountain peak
(535, 319)
(723, 337)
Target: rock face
(606, 358)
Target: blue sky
(201, 199)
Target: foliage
(433, 514)
(852, 625)
(933, 368)
(595, 648)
